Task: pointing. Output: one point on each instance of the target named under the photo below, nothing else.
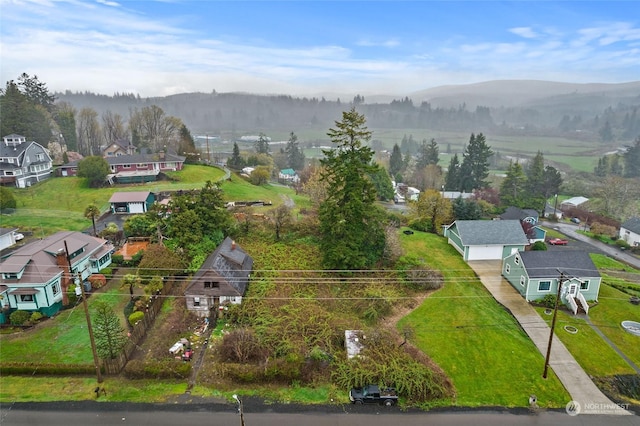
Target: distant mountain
(503, 107)
(523, 93)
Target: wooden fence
(139, 330)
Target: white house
(630, 231)
(23, 163)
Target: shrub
(117, 259)
(424, 279)
(422, 225)
(35, 317)
(107, 272)
(19, 317)
(623, 244)
(135, 317)
(165, 369)
(539, 246)
(549, 301)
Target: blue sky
(157, 48)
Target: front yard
(480, 346)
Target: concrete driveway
(572, 376)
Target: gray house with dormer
(23, 163)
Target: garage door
(485, 253)
(136, 207)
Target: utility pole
(553, 325)
(96, 361)
(240, 409)
(208, 153)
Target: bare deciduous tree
(89, 134)
(113, 127)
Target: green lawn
(63, 339)
(480, 346)
(58, 204)
(590, 351)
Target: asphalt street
(107, 414)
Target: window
(40, 157)
(142, 165)
(516, 259)
(584, 285)
(55, 288)
(126, 166)
(544, 286)
(207, 284)
(26, 297)
(211, 284)
(196, 301)
(507, 268)
(522, 280)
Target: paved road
(105, 414)
(591, 245)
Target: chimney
(161, 153)
(233, 245)
(63, 263)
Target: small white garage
(486, 239)
(131, 202)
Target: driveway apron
(571, 375)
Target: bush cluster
(157, 369)
(31, 369)
(19, 317)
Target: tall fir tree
(513, 187)
(474, 169)
(395, 161)
(351, 228)
(452, 180)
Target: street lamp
(240, 410)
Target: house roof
(516, 213)
(575, 201)
(144, 158)
(548, 264)
(130, 197)
(38, 258)
(289, 172)
(228, 265)
(482, 232)
(632, 224)
(5, 231)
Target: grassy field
(58, 204)
(476, 341)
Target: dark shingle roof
(548, 264)
(480, 232)
(228, 263)
(515, 213)
(632, 224)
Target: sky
(306, 48)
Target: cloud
(109, 3)
(526, 32)
(383, 43)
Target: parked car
(558, 242)
(18, 236)
(575, 220)
(373, 394)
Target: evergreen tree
(632, 160)
(474, 169)
(606, 133)
(382, 183)
(552, 182)
(534, 197)
(428, 153)
(262, 144)
(352, 233)
(236, 161)
(452, 180)
(395, 161)
(109, 334)
(295, 156)
(513, 187)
